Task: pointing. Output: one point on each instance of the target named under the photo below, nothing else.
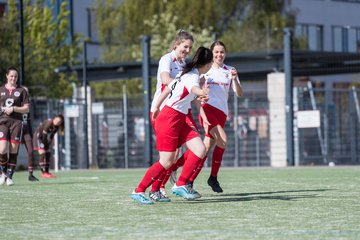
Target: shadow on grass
(242, 197)
(274, 192)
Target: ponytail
(202, 57)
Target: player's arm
(156, 109)
(23, 109)
(165, 78)
(12, 109)
(200, 109)
(238, 88)
(202, 93)
(43, 135)
(52, 134)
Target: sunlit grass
(257, 203)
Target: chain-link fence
(117, 130)
(338, 138)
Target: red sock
(156, 185)
(181, 160)
(166, 177)
(198, 169)
(150, 176)
(189, 167)
(216, 160)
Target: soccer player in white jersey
(169, 66)
(172, 129)
(220, 78)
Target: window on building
(313, 34)
(346, 39)
(92, 28)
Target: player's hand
(205, 97)
(234, 73)
(206, 124)
(155, 112)
(8, 110)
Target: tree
(9, 48)
(121, 26)
(244, 25)
(47, 46)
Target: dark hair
(217, 43)
(202, 57)
(181, 36)
(62, 125)
(11, 68)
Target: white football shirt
(181, 96)
(219, 82)
(168, 63)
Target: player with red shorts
(170, 65)
(172, 130)
(219, 79)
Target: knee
(221, 142)
(3, 158)
(201, 151)
(166, 163)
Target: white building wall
(276, 97)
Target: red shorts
(215, 117)
(172, 130)
(191, 122)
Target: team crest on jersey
(9, 102)
(17, 94)
(1, 134)
(25, 117)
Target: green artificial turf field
(257, 203)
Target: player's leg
(172, 171)
(221, 140)
(40, 148)
(42, 163)
(196, 153)
(151, 175)
(29, 149)
(3, 159)
(13, 153)
(209, 143)
(47, 163)
(155, 193)
(15, 131)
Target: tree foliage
(243, 25)
(47, 45)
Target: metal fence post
(86, 147)
(125, 118)
(236, 139)
(147, 97)
(289, 95)
(21, 41)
